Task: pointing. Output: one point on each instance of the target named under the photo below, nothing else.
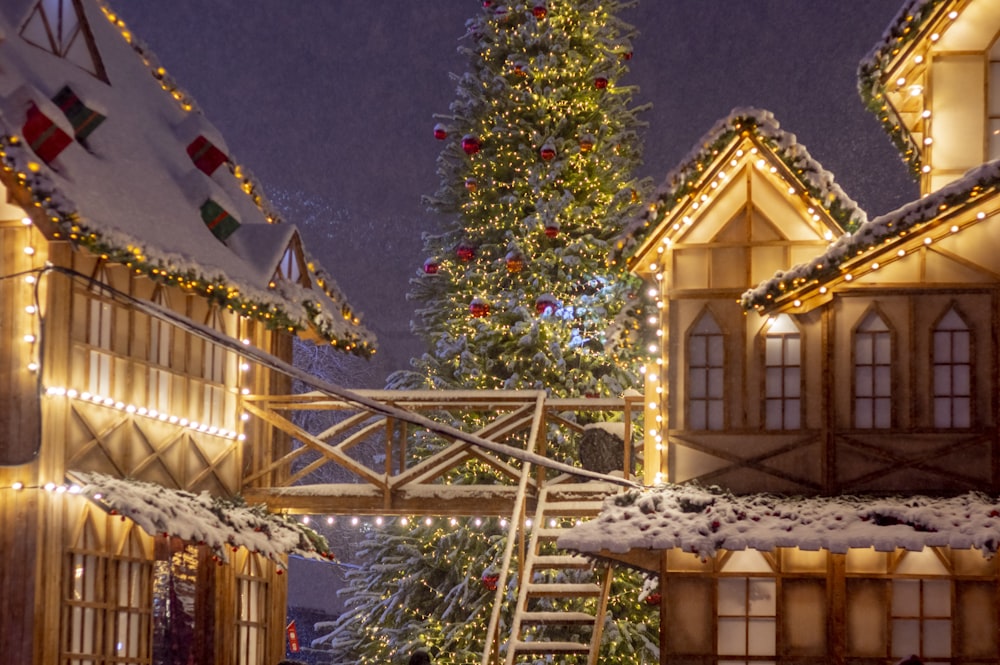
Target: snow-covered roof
(874, 239)
(706, 522)
(217, 523)
(685, 179)
(909, 24)
(130, 190)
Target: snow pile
(686, 177)
(875, 234)
(203, 519)
(705, 521)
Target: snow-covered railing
(343, 456)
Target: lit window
(872, 374)
(705, 387)
(782, 375)
(921, 618)
(252, 609)
(747, 618)
(952, 372)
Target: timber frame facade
(865, 363)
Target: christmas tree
(517, 292)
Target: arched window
(705, 385)
(872, 373)
(782, 375)
(952, 369)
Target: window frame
(889, 335)
(784, 399)
(707, 400)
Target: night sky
(331, 104)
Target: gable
(60, 27)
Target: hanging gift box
(43, 135)
(218, 219)
(84, 120)
(205, 155)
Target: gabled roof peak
(764, 130)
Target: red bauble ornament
(470, 144)
(465, 252)
(540, 11)
(479, 308)
(515, 262)
(431, 267)
(487, 4)
(653, 598)
(548, 152)
(626, 55)
(552, 229)
(471, 184)
(600, 83)
(440, 133)
(490, 581)
(545, 304)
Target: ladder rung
(585, 590)
(539, 648)
(549, 534)
(541, 561)
(556, 618)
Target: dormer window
(60, 27)
(292, 266)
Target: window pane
(761, 597)
(905, 637)
(773, 349)
(942, 347)
(773, 382)
(761, 637)
(697, 416)
(961, 346)
(960, 381)
(942, 412)
(863, 381)
(937, 598)
(937, 638)
(863, 349)
(883, 413)
(792, 350)
(715, 415)
(961, 412)
(698, 388)
(942, 380)
(863, 413)
(732, 596)
(793, 382)
(906, 598)
(775, 414)
(698, 356)
(882, 381)
(732, 636)
(715, 383)
(883, 355)
(715, 351)
(793, 416)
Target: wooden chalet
(138, 259)
(864, 366)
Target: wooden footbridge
(349, 455)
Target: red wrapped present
(43, 135)
(205, 155)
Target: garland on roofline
(904, 28)
(251, 187)
(165, 270)
(978, 182)
(684, 180)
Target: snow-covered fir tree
(517, 291)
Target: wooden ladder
(567, 606)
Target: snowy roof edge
(872, 236)
(872, 75)
(202, 518)
(682, 179)
(707, 521)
